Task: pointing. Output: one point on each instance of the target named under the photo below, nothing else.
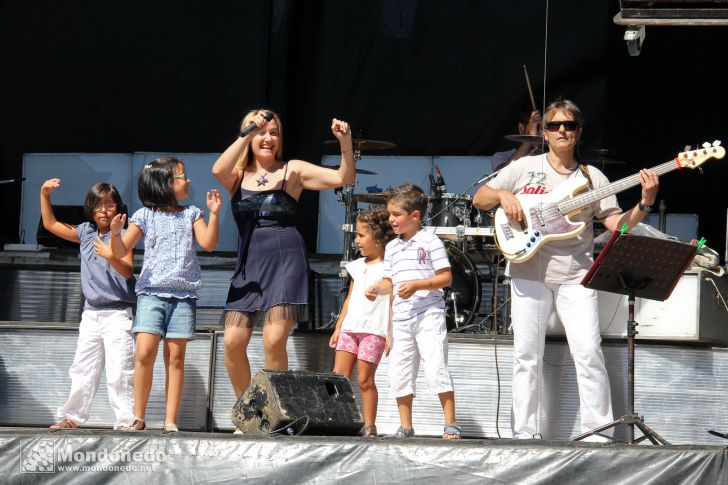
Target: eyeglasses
(106, 207)
(182, 176)
(556, 125)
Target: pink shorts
(365, 346)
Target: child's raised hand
(49, 186)
(406, 289)
(371, 293)
(214, 201)
(117, 224)
(334, 339)
(102, 249)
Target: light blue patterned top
(171, 268)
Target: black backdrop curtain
(436, 78)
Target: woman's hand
(650, 183)
(342, 132)
(510, 205)
(259, 119)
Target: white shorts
(425, 337)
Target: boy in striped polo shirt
(416, 269)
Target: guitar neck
(620, 185)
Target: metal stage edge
(95, 456)
(679, 390)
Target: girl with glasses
(104, 334)
(170, 277)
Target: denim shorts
(168, 317)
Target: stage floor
(31, 455)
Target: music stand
(637, 266)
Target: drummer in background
(552, 277)
(529, 124)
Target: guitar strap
(585, 170)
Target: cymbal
(363, 145)
(601, 156)
(373, 198)
(358, 170)
(523, 138)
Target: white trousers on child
(531, 304)
(425, 337)
(104, 340)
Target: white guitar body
(542, 222)
(546, 216)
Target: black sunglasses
(555, 125)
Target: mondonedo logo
(43, 456)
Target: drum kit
(477, 300)
(477, 296)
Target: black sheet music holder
(637, 266)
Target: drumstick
(530, 91)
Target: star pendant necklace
(262, 180)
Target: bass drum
(462, 297)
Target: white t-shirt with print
(563, 261)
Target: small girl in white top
(362, 330)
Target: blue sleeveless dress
(272, 267)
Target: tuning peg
(706, 145)
(716, 143)
(687, 148)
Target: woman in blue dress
(270, 282)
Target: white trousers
(104, 340)
(531, 304)
(421, 337)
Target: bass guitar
(547, 216)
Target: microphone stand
(12, 181)
(481, 180)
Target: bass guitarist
(552, 275)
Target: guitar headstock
(695, 158)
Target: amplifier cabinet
(695, 313)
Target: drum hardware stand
(494, 276)
(649, 268)
(345, 196)
(456, 318)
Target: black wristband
(644, 208)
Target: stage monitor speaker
(70, 214)
(306, 402)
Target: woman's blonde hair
(243, 159)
